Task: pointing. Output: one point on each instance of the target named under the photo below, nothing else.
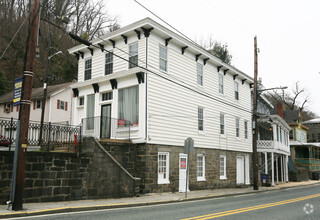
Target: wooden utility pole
(24, 113)
(255, 127)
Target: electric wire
(13, 37)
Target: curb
(126, 205)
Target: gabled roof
(160, 30)
(37, 93)
(312, 121)
(291, 116)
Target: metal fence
(106, 127)
(54, 135)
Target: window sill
(201, 179)
(222, 136)
(164, 182)
(223, 178)
(201, 132)
(81, 106)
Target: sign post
(188, 149)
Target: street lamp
(45, 86)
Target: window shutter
(58, 104)
(66, 106)
(11, 107)
(17, 108)
(34, 105)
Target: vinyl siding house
(148, 84)
(58, 109)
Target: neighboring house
(304, 154)
(313, 134)
(170, 89)
(273, 141)
(58, 104)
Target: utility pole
(24, 113)
(255, 127)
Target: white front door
(183, 162)
(240, 170)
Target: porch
(307, 155)
(108, 128)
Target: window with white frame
(222, 127)
(200, 74)
(163, 58)
(237, 127)
(128, 105)
(133, 55)
(62, 105)
(236, 90)
(223, 167)
(246, 129)
(201, 167)
(87, 69)
(200, 119)
(109, 63)
(81, 101)
(220, 83)
(163, 167)
(38, 104)
(106, 96)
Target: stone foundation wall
(54, 176)
(142, 161)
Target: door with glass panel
(105, 121)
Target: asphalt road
(294, 203)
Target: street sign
(188, 146)
(17, 91)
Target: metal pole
(255, 127)
(187, 175)
(24, 113)
(45, 85)
(10, 137)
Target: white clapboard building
(146, 83)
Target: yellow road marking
(251, 208)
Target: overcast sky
(288, 33)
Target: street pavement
(33, 209)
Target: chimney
(280, 109)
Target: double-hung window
(128, 105)
(38, 104)
(201, 167)
(200, 119)
(220, 83)
(163, 167)
(237, 127)
(246, 129)
(109, 63)
(81, 101)
(223, 167)
(222, 127)
(236, 90)
(133, 55)
(87, 69)
(200, 74)
(163, 58)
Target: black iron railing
(54, 135)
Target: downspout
(146, 110)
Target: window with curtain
(128, 105)
(90, 112)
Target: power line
(13, 37)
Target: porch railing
(54, 135)
(106, 127)
(262, 144)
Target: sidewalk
(31, 209)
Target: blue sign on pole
(17, 91)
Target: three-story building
(148, 84)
